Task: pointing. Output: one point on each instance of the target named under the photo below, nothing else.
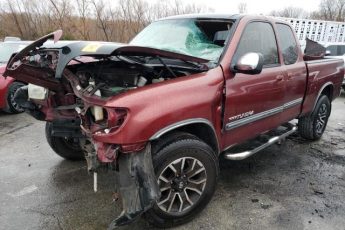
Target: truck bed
(322, 73)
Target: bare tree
(86, 19)
(101, 16)
(83, 14)
(15, 16)
(332, 10)
(60, 16)
(290, 12)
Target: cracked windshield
(198, 38)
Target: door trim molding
(262, 115)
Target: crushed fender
(137, 185)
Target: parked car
(336, 50)
(161, 110)
(8, 86)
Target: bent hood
(69, 50)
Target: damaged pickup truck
(160, 110)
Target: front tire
(11, 105)
(312, 126)
(187, 172)
(68, 148)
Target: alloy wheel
(14, 104)
(181, 183)
(321, 119)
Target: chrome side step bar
(271, 141)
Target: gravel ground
(296, 185)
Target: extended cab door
(295, 71)
(253, 103)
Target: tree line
(105, 20)
(329, 10)
(117, 20)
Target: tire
(173, 153)
(67, 148)
(11, 105)
(312, 126)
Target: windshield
(199, 38)
(7, 49)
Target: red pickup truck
(161, 110)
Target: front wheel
(187, 172)
(68, 148)
(11, 104)
(312, 126)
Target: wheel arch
(199, 127)
(326, 89)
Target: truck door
(253, 103)
(294, 70)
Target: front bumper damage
(137, 185)
(135, 179)
(67, 101)
(134, 173)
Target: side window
(287, 43)
(258, 37)
(333, 50)
(336, 50)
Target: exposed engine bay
(119, 74)
(115, 74)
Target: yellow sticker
(92, 47)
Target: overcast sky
(256, 6)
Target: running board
(243, 155)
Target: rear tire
(311, 127)
(68, 148)
(11, 105)
(184, 195)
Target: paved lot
(297, 185)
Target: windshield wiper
(165, 65)
(197, 65)
(144, 62)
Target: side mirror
(328, 53)
(250, 63)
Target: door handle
(279, 77)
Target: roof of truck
(225, 16)
(210, 16)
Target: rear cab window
(288, 44)
(336, 50)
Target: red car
(8, 86)
(161, 110)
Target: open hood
(69, 50)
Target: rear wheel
(187, 172)
(312, 126)
(68, 148)
(12, 106)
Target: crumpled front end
(137, 184)
(135, 179)
(81, 83)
